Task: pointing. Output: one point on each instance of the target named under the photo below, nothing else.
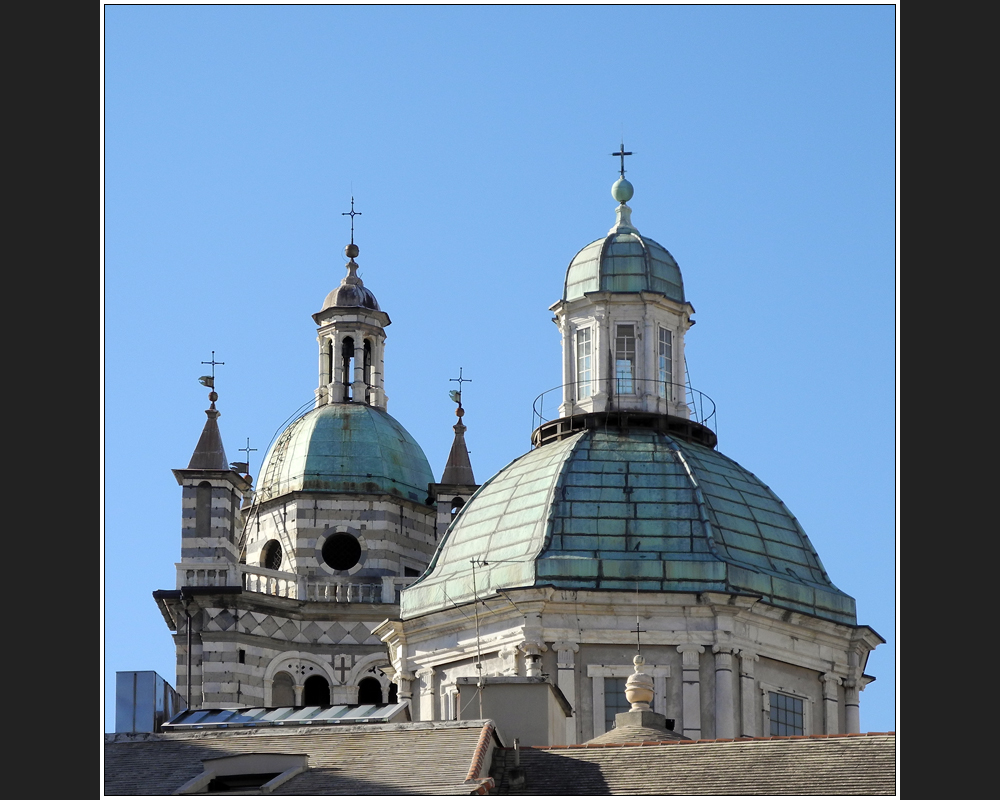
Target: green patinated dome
(603, 509)
(346, 448)
(623, 261)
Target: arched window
(316, 691)
(270, 555)
(347, 354)
(370, 691)
(282, 690)
(456, 506)
(203, 510)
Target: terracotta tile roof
(439, 758)
(848, 764)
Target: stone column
(404, 686)
(691, 690)
(566, 680)
(568, 368)
(358, 382)
(748, 694)
(322, 391)
(603, 360)
(337, 379)
(649, 371)
(831, 716)
(428, 710)
(533, 658)
(724, 710)
(852, 706)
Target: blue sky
(476, 142)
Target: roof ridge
(705, 741)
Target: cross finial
(213, 362)
(209, 380)
(622, 153)
(248, 450)
(457, 396)
(352, 214)
(637, 629)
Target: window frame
(598, 672)
(633, 376)
(584, 385)
(807, 709)
(665, 378)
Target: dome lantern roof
(624, 261)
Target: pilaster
(566, 681)
(748, 694)
(691, 689)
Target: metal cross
(248, 450)
(352, 214)
(637, 632)
(637, 629)
(213, 362)
(622, 153)
(460, 380)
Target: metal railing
(700, 407)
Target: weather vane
(209, 380)
(456, 396)
(352, 214)
(622, 153)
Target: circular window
(341, 551)
(270, 555)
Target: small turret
(458, 483)
(211, 498)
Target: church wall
(796, 681)
(392, 532)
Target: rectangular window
(625, 359)
(615, 701)
(786, 715)
(584, 356)
(666, 364)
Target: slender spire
(458, 470)
(209, 452)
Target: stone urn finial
(639, 687)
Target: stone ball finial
(622, 190)
(351, 251)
